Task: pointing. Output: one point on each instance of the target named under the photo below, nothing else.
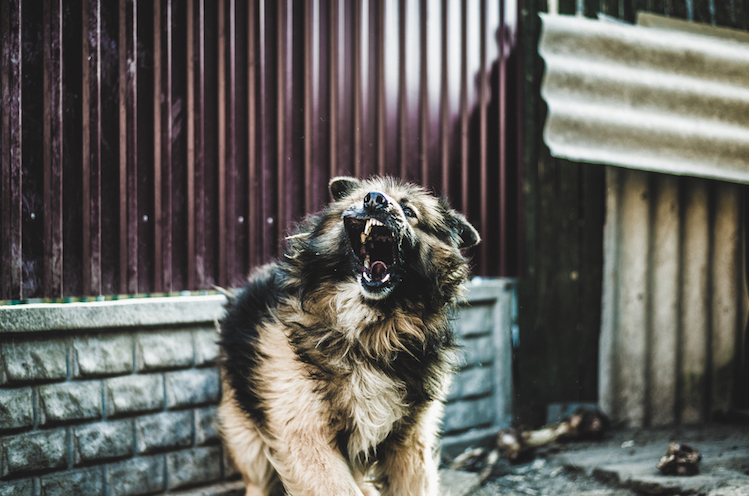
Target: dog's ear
(469, 236)
(340, 186)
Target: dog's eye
(409, 212)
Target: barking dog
(336, 358)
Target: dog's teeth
(386, 278)
(367, 277)
(368, 226)
(367, 229)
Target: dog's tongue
(378, 270)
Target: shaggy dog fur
(336, 358)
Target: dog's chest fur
(368, 404)
(361, 370)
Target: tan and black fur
(336, 358)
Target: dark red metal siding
(10, 151)
(159, 146)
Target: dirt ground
(623, 464)
(541, 478)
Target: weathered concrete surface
(111, 314)
(235, 488)
(624, 464)
(456, 483)
(733, 488)
(630, 463)
(452, 483)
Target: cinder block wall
(129, 411)
(119, 398)
(109, 398)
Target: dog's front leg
(309, 465)
(409, 471)
(409, 466)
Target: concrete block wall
(121, 413)
(119, 398)
(108, 409)
(479, 402)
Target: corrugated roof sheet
(672, 97)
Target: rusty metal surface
(171, 145)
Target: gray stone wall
(117, 412)
(479, 402)
(119, 398)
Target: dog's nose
(375, 200)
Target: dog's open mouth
(374, 251)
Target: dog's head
(398, 242)
(400, 239)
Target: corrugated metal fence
(168, 145)
(673, 341)
(673, 335)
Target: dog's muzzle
(372, 233)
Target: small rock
(680, 459)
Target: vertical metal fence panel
(226, 141)
(143, 180)
(52, 125)
(402, 135)
(162, 148)
(501, 105)
(237, 174)
(110, 173)
(194, 143)
(482, 139)
(128, 147)
(333, 85)
(300, 158)
(70, 120)
(444, 101)
(269, 135)
(91, 153)
(180, 190)
(284, 92)
(464, 196)
(221, 126)
(280, 207)
(210, 108)
(171, 145)
(356, 87)
(379, 76)
(423, 95)
(227, 149)
(307, 107)
(254, 222)
(11, 258)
